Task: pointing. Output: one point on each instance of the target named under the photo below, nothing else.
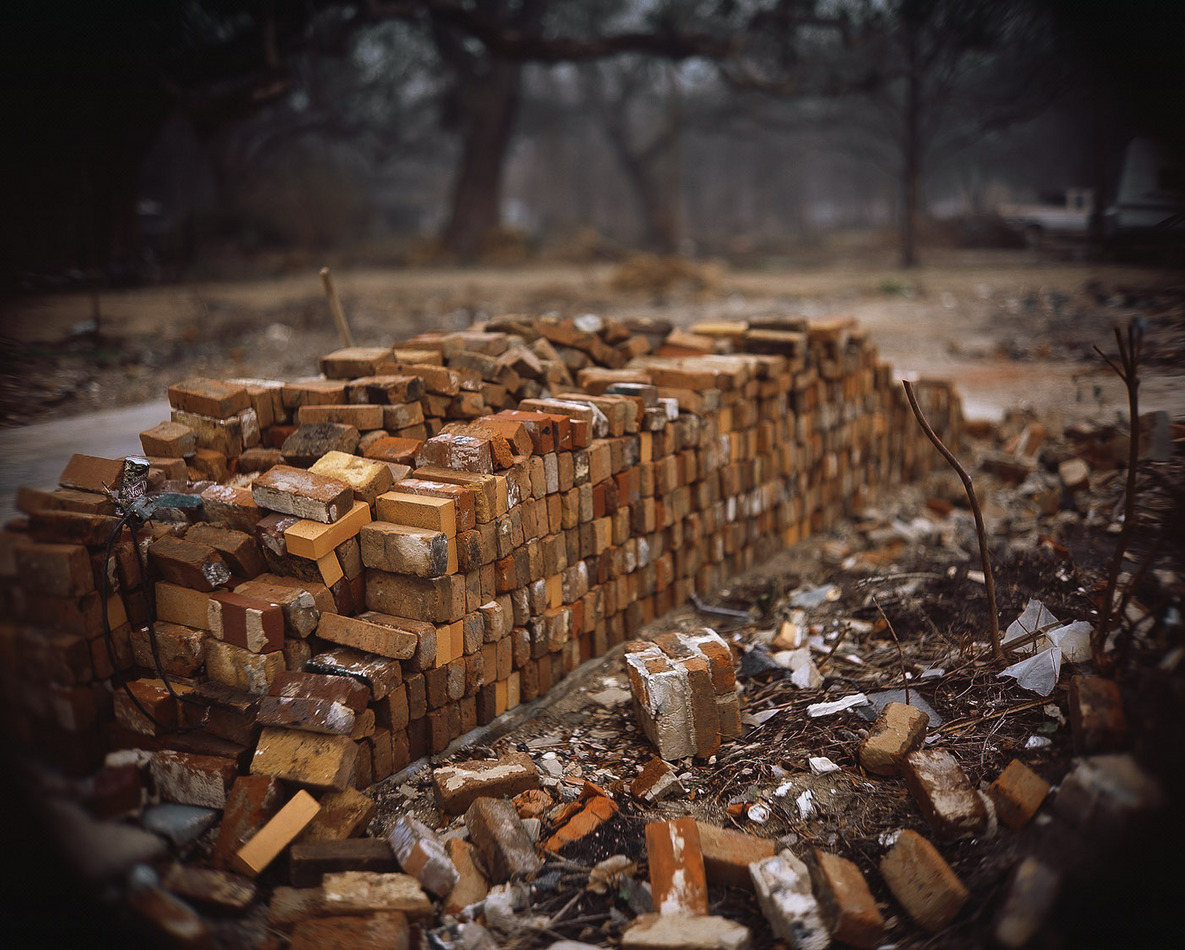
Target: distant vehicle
(1149, 208)
(1068, 217)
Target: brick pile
(428, 534)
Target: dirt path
(1010, 329)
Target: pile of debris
(343, 575)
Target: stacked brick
(451, 525)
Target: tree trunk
(912, 149)
(490, 110)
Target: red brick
(457, 785)
(209, 397)
(678, 880)
(727, 854)
(294, 491)
(922, 881)
(252, 802)
(498, 833)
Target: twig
(335, 305)
(1129, 372)
(900, 652)
(989, 582)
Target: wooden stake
(335, 305)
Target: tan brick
(471, 886)
(678, 880)
(279, 832)
(294, 491)
(944, 793)
(1017, 794)
(437, 599)
(728, 854)
(375, 632)
(898, 730)
(422, 855)
(922, 881)
(242, 669)
(362, 418)
(227, 437)
(848, 905)
(677, 932)
(369, 892)
(201, 780)
(324, 762)
(182, 650)
(366, 477)
(418, 511)
(315, 539)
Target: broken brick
(922, 881)
(1017, 794)
(898, 730)
(784, 892)
(421, 854)
(728, 854)
(848, 905)
(678, 880)
(498, 833)
(457, 785)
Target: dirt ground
(905, 605)
(1012, 328)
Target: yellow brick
(253, 857)
(314, 540)
(330, 568)
(418, 511)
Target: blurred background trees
(145, 137)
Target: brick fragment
(458, 784)
(728, 854)
(201, 780)
(678, 880)
(343, 814)
(848, 905)
(784, 892)
(211, 889)
(421, 854)
(1017, 794)
(381, 931)
(678, 932)
(1097, 720)
(294, 491)
(309, 861)
(656, 781)
(368, 892)
(898, 730)
(472, 886)
(279, 832)
(944, 793)
(922, 881)
(498, 833)
(305, 758)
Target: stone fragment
(678, 880)
(498, 833)
(279, 832)
(421, 854)
(944, 793)
(783, 888)
(1017, 794)
(1031, 896)
(848, 905)
(1097, 720)
(678, 932)
(728, 854)
(899, 730)
(922, 881)
(457, 785)
(368, 892)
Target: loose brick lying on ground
(1017, 794)
(498, 833)
(1097, 720)
(422, 855)
(944, 793)
(678, 880)
(848, 905)
(922, 881)
(1034, 888)
(367, 892)
(898, 730)
(783, 888)
(728, 853)
(457, 785)
(381, 931)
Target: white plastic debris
(806, 805)
(1035, 616)
(1042, 630)
(803, 672)
(814, 710)
(758, 812)
(1038, 674)
(821, 765)
(1073, 639)
(1038, 742)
